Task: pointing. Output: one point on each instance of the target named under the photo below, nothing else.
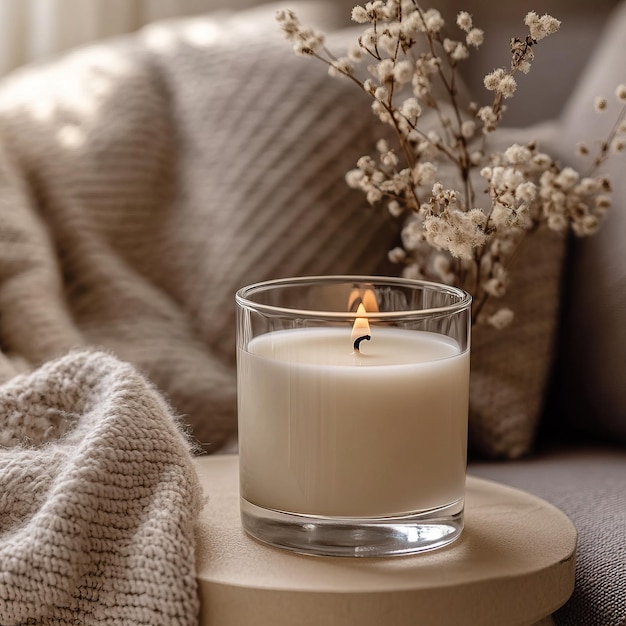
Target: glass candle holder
(352, 407)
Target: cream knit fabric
(98, 499)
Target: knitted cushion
(99, 499)
(511, 367)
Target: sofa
(144, 180)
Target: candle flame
(360, 328)
(365, 296)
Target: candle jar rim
(243, 296)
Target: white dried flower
(587, 185)
(492, 80)
(464, 21)
(599, 104)
(620, 92)
(475, 38)
(507, 86)
(381, 93)
(387, 42)
(468, 128)
(455, 231)
(341, 66)
(517, 154)
(288, 22)
(394, 208)
(382, 146)
(549, 24)
(476, 157)
(433, 137)
(375, 9)
(510, 178)
(396, 255)
(602, 203)
(460, 52)
(369, 86)
(541, 27)
(389, 159)
(366, 164)
(384, 70)
(495, 287)
(501, 247)
(526, 192)
(403, 72)
(586, 226)
(359, 15)
(500, 215)
(488, 117)
(373, 195)
(382, 113)
(369, 38)
(413, 272)
(449, 45)
(412, 25)
(557, 222)
(567, 178)
(441, 267)
(433, 20)
(412, 235)
(501, 318)
(424, 173)
(354, 178)
(411, 108)
(542, 160)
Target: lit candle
(333, 425)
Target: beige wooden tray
(513, 565)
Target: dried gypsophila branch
(446, 236)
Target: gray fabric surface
(589, 486)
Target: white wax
(325, 431)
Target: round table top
(513, 564)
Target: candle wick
(358, 340)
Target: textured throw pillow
(511, 367)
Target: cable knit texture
(98, 499)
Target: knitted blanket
(98, 499)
